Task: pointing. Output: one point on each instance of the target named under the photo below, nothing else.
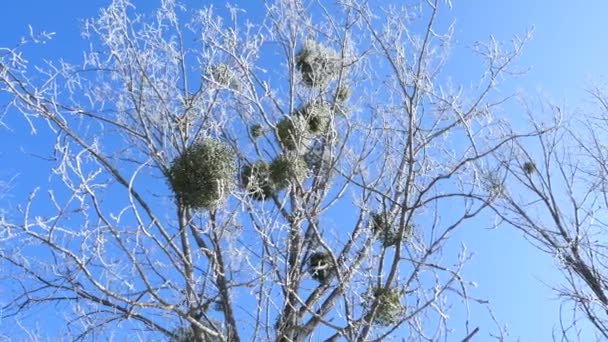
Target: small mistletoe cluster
(343, 93)
(203, 175)
(222, 75)
(300, 129)
(380, 225)
(186, 334)
(317, 64)
(529, 168)
(291, 132)
(317, 116)
(262, 180)
(389, 309)
(321, 266)
(256, 130)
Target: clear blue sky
(568, 51)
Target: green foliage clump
(186, 334)
(320, 266)
(203, 175)
(256, 130)
(317, 115)
(300, 128)
(343, 93)
(261, 180)
(256, 180)
(220, 74)
(529, 168)
(493, 185)
(381, 226)
(283, 168)
(290, 133)
(317, 64)
(389, 309)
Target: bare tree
(203, 192)
(553, 189)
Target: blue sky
(568, 49)
(567, 53)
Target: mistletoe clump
(529, 168)
(317, 64)
(317, 116)
(183, 334)
(321, 266)
(291, 132)
(256, 180)
(256, 130)
(262, 180)
(299, 129)
(343, 93)
(186, 334)
(382, 228)
(283, 168)
(389, 309)
(203, 175)
(220, 74)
